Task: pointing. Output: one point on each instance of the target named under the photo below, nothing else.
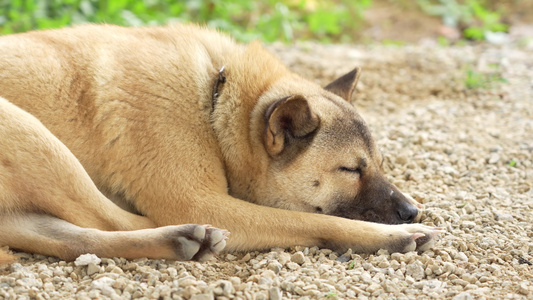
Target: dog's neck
(249, 74)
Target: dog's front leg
(255, 227)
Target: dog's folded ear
(288, 119)
(345, 85)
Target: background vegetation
(270, 20)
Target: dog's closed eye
(355, 170)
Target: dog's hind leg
(48, 235)
(49, 205)
(39, 173)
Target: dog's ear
(345, 85)
(288, 119)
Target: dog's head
(322, 157)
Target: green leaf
(330, 294)
(352, 265)
(443, 41)
(474, 33)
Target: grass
(352, 265)
(477, 80)
(330, 294)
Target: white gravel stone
(524, 288)
(231, 257)
(202, 297)
(86, 259)
(462, 256)
(293, 266)
(92, 268)
(415, 270)
(284, 258)
(275, 267)
(105, 285)
(298, 257)
(463, 296)
(274, 293)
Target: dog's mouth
(376, 216)
(373, 216)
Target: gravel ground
(466, 154)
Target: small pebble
(92, 268)
(274, 293)
(298, 257)
(86, 259)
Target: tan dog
(144, 117)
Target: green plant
(474, 79)
(479, 80)
(487, 21)
(329, 20)
(390, 42)
(352, 265)
(512, 163)
(473, 17)
(330, 294)
(451, 11)
(443, 41)
(269, 20)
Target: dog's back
(85, 83)
(91, 63)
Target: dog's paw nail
(437, 231)
(440, 231)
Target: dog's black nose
(407, 213)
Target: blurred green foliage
(473, 17)
(270, 20)
(482, 80)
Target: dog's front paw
(198, 242)
(410, 237)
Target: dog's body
(143, 117)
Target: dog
(118, 141)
